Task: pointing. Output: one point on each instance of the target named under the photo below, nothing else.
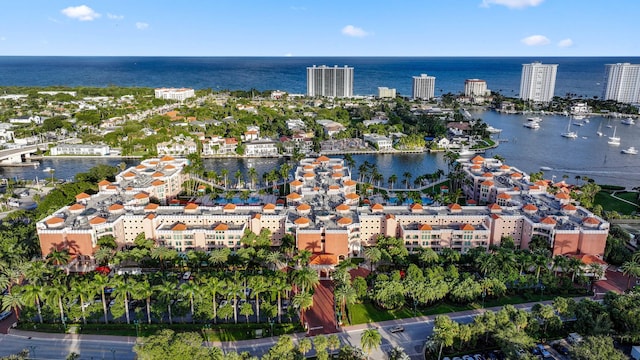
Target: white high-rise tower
(538, 81)
(622, 83)
(424, 87)
(330, 81)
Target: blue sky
(320, 28)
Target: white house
(380, 142)
(35, 119)
(262, 147)
(179, 145)
(80, 150)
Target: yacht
(630, 151)
(532, 125)
(493, 130)
(614, 140)
(578, 123)
(628, 121)
(534, 119)
(599, 132)
(578, 117)
(47, 169)
(570, 134)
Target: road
(412, 339)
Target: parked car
(561, 349)
(396, 329)
(541, 350)
(186, 275)
(5, 315)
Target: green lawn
(609, 203)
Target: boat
(628, 121)
(578, 117)
(578, 123)
(545, 168)
(464, 152)
(532, 125)
(569, 134)
(493, 130)
(599, 132)
(631, 151)
(47, 169)
(609, 124)
(613, 140)
(534, 119)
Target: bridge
(20, 155)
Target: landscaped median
(210, 332)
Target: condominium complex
(424, 87)
(325, 214)
(174, 94)
(475, 87)
(386, 93)
(538, 81)
(330, 81)
(622, 83)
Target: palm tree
(99, 284)
(407, 176)
(630, 269)
(166, 291)
(304, 346)
(306, 278)
(219, 256)
(370, 340)
(303, 301)
(345, 295)
(13, 301)
(55, 293)
(280, 285)
(258, 285)
(162, 254)
(392, 180)
(238, 176)
(225, 174)
(83, 291)
(33, 293)
(333, 342)
(103, 255)
(191, 291)
(235, 289)
(144, 291)
(58, 257)
(214, 287)
(122, 290)
(373, 254)
(253, 175)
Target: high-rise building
(622, 83)
(475, 87)
(330, 81)
(424, 87)
(538, 81)
(386, 93)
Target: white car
(186, 275)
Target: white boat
(464, 152)
(631, 151)
(545, 168)
(578, 123)
(599, 132)
(609, 124)
(493, 130)
(613, 140)
(534, 119)
(569, 134)
(628, 121)
(532, 125)
(47, 169)
(578, 117)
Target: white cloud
(565, 43)
(82, 13)
(115, 17)
(354, 31)
(142, 25)
(512, 4)
(536, 40)
(2, 38)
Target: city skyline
(294, 28)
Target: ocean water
(582, 76)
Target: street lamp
(271, 321)
(541, 291)
(136, 323)
(484, 294)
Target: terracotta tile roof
(487, 174)
(141, 195)
(169, 167)
(477, 159)
(129, 174)
(344, 221)
(97, 220)
(151, 206)
(548, 220)
(530, 208)
(588, 259)
(76, 207)
(467, 227)
(221, 227)
(301, 221)
(167, 158)
(112, 187)
(569, 207)
(516, 175)
(426, 227)
(323, 259)
(257, 216)
(157, 174)
(104, 183)
(308, 167)
(334, 187)
(495, 216)
(342, 207)
(390, 216)
(309, 175)
(294, 196)
(337, 175)
(141, 167)
(336, 167)
(229, 206)
(303, 207)
(54, 221)
(191, 206)
(494, 207)
(349, 183)
(352, 196)
(269, 206)
(179, 227)
(455, 206)
(505, 167)
(296, 183)
(591, 221)
(416, 206)
(150, 216)
(487, 183)
(323, 158)
(158, 183)
(562, 196)
(541, 183)
(116, 207)
(377, 206)
(83, 196)
(504, 196)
